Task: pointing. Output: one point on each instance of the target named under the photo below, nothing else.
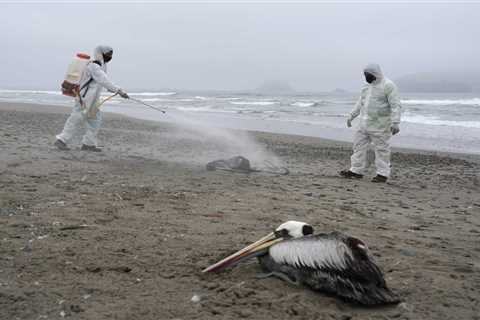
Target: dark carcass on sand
(242, 164)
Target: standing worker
(379, 108)
(86, 110)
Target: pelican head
(287, 230)
(293, 229)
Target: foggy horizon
(237, 47)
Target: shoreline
(61, 109)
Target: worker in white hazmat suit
(379, 109)
(86, 113)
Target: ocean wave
(152, 93)
(205, 109)
(439, 122)
(203, 98)
(57, 93)
(154, 100)
(255, 103)
(302, 104)
(445, 102)
(227, 98)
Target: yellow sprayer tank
(71, 84)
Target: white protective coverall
(90, 94)
(379, 108)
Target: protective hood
(374, 69)
(100, 51)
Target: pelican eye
(282, 233)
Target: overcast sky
(234, 46)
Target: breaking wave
(153, 93)
(445, 102)
(304, 104)
(440, 122)
(254, 103)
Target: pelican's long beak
(247, 252)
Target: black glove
(123, 94)
(395, 128)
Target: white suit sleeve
(394, 102)
(101, 78)
(356, 109)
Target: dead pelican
(333, 263)
(242, 165)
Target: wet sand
(124, 234)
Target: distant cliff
(274, 87)
(439, 82)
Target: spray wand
(146, 104)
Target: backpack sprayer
(71, 83)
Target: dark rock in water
(237, 163)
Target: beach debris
(74, 227)
(238, 163)
(28, 246)
(407, 253)
(242, 165)
(244, 313)
(93, 269)
(122, 269)
(76, 308)
(196, 298)
(405, 306)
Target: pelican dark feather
(333, 263)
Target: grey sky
(234, 46)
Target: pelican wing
(317, 252)
(332, 263)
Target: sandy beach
(124, 234)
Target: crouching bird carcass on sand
(333, 263)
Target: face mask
(369, 77)
(107, 57)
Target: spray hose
(130, 98)
(146, 104)
(106, 99)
